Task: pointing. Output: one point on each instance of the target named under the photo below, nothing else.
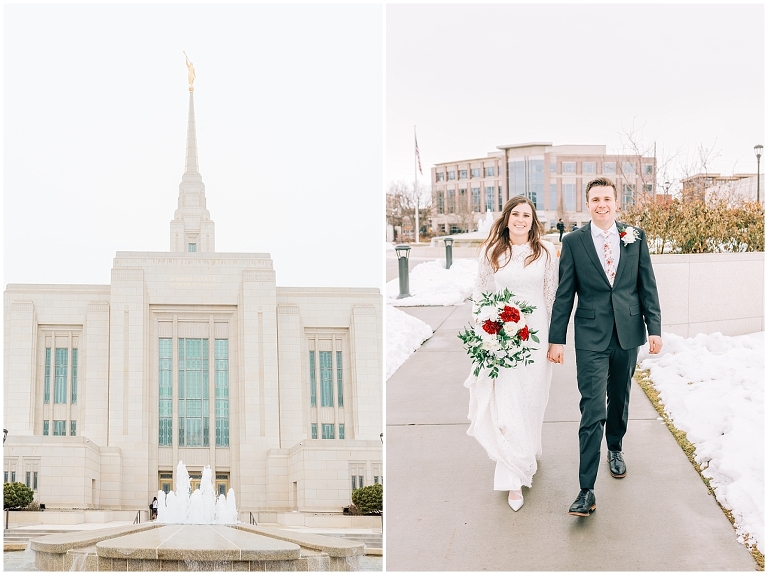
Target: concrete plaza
(442, 513)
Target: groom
(608, 265)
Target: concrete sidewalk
(442, 513)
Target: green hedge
(16, 495)
(369, 499)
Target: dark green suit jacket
(632, 304)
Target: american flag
(418, 158)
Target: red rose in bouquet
(492, 327)
(510, 314)
(524, 333)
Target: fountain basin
(158, 547)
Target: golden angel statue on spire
(190, 73)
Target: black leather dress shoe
(616, 464)
(584, 504)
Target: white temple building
(192, 355)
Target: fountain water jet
(198, 508)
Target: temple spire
(191, 228)
(191, 165)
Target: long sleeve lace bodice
(520, 280)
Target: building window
(46, 423)
(588, 167)
(60, 376)
(47, 375)
(569, 197)
(609, 168)
(378, 477)
(451, 201)
(192, 248)
(490, 172)
(440, 177)
(552, 196)
(341, 431)
(628, 168)
(221, 382)
(357, 473)
(516, 175)
(165, 381)
(13, 477)
(312, 382)
(339, 382)
(452, 175)
(328, 431)
(648, 188)
(5, 478)
(73, 428)
(193, 393)
(647, 169)
(28, 479)
(326, 380)
(59, 427)
(553, 167)
(489, 198)
(74, 375)
(475, 199)
(628, 195)
(440, 203)
(476, 172)
(535, 191)
(569, 167)
(34, 480)
(462, 174)
(314, 431)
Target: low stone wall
(72, 516)
(707, 293)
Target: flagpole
(415, 186)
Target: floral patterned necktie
(610, 263)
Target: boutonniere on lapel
(628, 235)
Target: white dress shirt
(598, 236)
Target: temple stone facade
(193, 355)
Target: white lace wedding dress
(507, 413)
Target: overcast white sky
(289, 109)
(474, 77)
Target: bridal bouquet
(500, 335)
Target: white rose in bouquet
(512, 327)
(487, 313)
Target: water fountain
(195, 532)
(200, 507)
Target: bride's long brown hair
(497, 244)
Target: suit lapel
(624, 251)
(589, 247)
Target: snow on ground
(405, 334)
(431, 284)
(713, 388)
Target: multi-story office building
(195, 355)
(553, 177)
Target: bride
(507, 413)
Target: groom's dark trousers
(610, 324)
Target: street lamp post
(402, 252)
(758, 153)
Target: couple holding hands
(608, 265)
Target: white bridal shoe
(516, 502)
